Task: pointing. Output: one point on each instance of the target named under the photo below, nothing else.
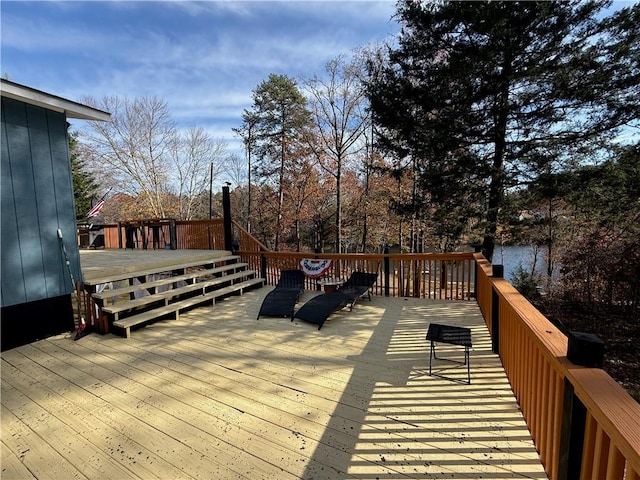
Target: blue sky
(202, 58)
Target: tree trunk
(496, 187)
(249, 188)
(280, 190)
(365, 225)
(338, 247)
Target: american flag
(96, 209)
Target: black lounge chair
(358, 285)
(318, 309)
(293, 279)
(281, 301)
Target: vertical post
(211, 193)
(498, 272)
(173, 234)
(586, 350)
(143, 234)
(417, 276)
(476, 249)
(263, 265)
(475, 280)
(386, 271)
(574, 418)
(119, 234)
(443, 277)
(226, 217)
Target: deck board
(113, 262)
(218, 394)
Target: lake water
(511, 257)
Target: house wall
(37, 199)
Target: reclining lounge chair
(318, 309)
(358, 285)
(281, 301)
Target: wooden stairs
(131, 299)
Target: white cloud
(203, 58)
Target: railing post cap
(498, 271)
(585, 349)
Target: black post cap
(498, 271)
(585, 349)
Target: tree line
(421, 144)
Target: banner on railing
(314, 268)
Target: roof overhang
(51, 102)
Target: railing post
(173, 235)
(386, 271)
(475, 279)
(226, 216)
(263, 265)
(586, 350)
(417, 274)
(574, 417)
(498, 272)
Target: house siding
(37, 199)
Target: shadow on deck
(412, 425)
(217, 394)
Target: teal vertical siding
(37, 199)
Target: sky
(203, 58)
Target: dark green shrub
(526, 283)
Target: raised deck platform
(130, 288)
(106, 262)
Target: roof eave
(52, 102)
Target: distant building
(37, 200)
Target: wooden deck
(218, 394)
(114, 261)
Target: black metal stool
(454, 336)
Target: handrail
(426, 275)
(246, 240)
(549, 388)
(483, 286)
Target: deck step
(175, 292)
(180, 266)
(176, 307)
(193, 276)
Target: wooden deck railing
(584, 424)
(442, 276)
(189, 235)
(436, 275)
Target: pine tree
(484, 95)
(84, 186)
(280, 118)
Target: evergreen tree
(279, 119)
(483, 95)
(84, 187)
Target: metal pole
(226, 215)
(211, 192)
(249, 187)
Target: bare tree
(338, 108)
(236, 170)
(133, 151)
(142, 153)
(198, 161)
(248, 134)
